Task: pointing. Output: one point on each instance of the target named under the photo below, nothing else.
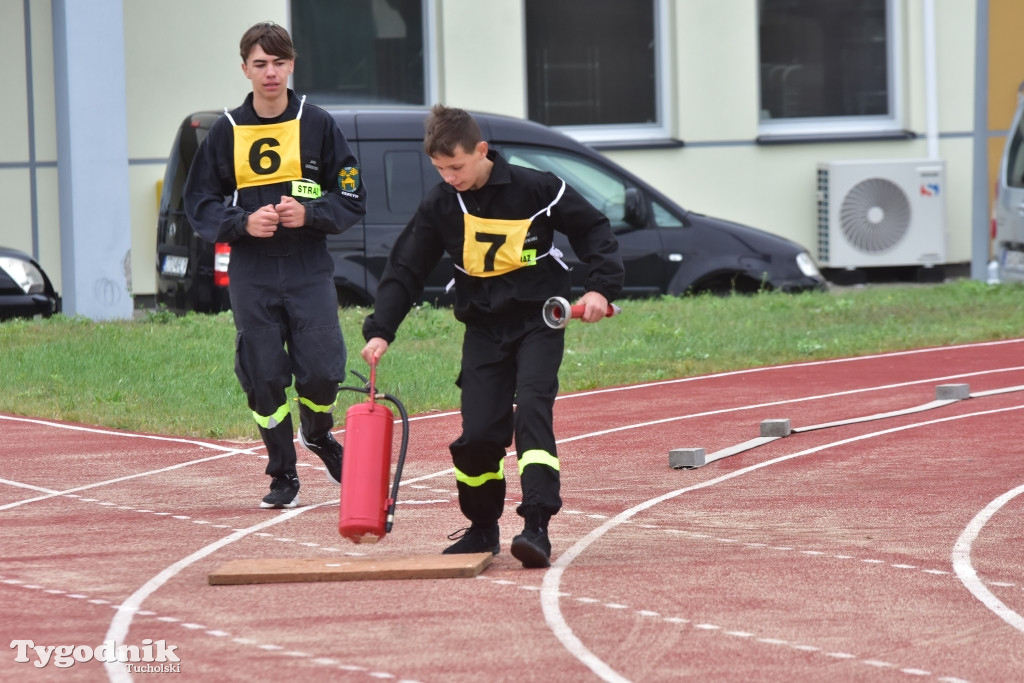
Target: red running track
(881, 550)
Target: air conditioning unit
(888, 212)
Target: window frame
(430, 58)
(628, 133)
(832, 126)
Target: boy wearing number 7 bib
(497, 222)
(289, 179)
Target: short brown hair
(448, 128)
(274, 40)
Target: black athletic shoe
(475, 539)
(284, 493)
(532, 547)
(328, 450)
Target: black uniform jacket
(325, 153)
(511, 193)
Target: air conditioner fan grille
(875, 215)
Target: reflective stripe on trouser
(516, 360)
(280, 447)
(286, 316)
(482, 496)
(315, 419)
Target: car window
(601, 188)
(397, 175)
(186, 144)
(664, 218)
(1015, 158)
(404, 181)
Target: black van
(666, 248)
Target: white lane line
(30, 487)
(791, 366)
(804, 399)
(233, 451)
(551, 586)
(215, 632)
(126, 610)
(547, 593)
(111, 432)
(735, 409)
(965, 570)
(129, 477)
(716, 628)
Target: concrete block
(952, 392)
(679, 458)
(775, 428)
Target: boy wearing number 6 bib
(497, 222)
(273, 178)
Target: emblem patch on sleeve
(348, 179)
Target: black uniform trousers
(512, 362)
(286, 317)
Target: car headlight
(807, 265)
(24, 274)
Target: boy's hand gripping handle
(558, 312)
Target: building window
(828, 65)
(360, 51)
(594, 66)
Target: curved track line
(551, 587)
(753, 406)
(966, 572)
(122, 621)
(790, 366)
(787, 401)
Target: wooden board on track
(304, 570)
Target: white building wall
(176, 64)
(482, 59)
(14, 182)
(716, 71)
(722, 171)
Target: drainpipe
(930, 80)
(981, 198)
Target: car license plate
(1013, 260)
(175, 265)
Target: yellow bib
(494, 246)
(267, 154)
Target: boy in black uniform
(291, 179)
(497, 222)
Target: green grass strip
(175, 375)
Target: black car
(666, 248)
(192, 274)
(25, 290)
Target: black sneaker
(475, 539)
(284, 493)
(328, 450)
(532, 547)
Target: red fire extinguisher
(367, 512)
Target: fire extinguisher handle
(373, 380)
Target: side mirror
(635, 208)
